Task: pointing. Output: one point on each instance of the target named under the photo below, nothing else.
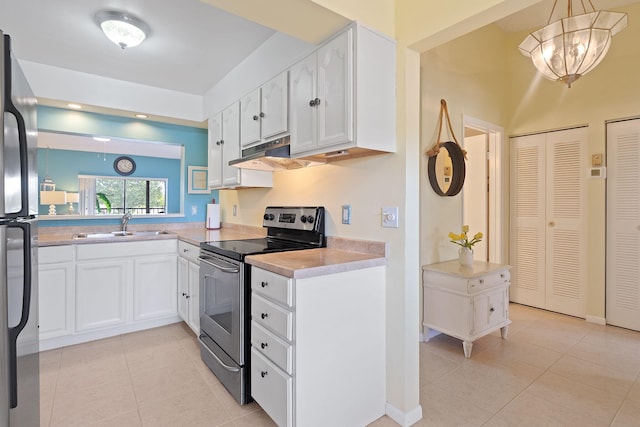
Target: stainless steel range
(225, 286)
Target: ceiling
(191, 47)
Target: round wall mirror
(447, 169)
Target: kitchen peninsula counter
(340, 255)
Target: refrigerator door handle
(10, 108)
(24, 317)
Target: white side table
(466, 302)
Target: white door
(623, 224)
(335, 91)
(250, 118)
(215, 151)
(548, 220)
(275, 102)
(230, 144)
(303, 113)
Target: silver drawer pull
(502, 275)
(481, 281)
(264, 315)
(227, 367)
(264, 284)
(264, 345)
(263, 373)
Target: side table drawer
(272, 316)
(272, 389)
(280, 352)
(488, 281)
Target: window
(101, 195)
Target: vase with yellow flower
(465, 253)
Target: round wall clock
(124, 165)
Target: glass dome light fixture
(570, 47)
(122, 28)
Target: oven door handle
(225, 366)
(208, 260)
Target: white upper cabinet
(342, 96)
(224, 146)
(264, 112)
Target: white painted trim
(596, 319)
(405, 419)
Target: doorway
(482, 193)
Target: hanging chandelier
(570, 47)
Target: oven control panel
(295, 218)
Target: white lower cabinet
(318, 347)
(98, 290)
(466, 302)
(56, 282)
(188, 285)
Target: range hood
(270, 156)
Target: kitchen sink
(115, 234)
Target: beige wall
(470, 74)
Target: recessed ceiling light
(122, 28)
(74, 106)
(142, 116)
(101, 139)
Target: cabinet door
(101, 294)
(275, 102)
(303, 125)
(155, 287)
(230, 144)
(335, 91)
(55, 282)
(183, 288)
(489, 310)
(250, 118)
(215, 151)
(194, 298)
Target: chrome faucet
(125, 220)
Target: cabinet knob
(261, 114)
(256, 118)
(264, 315)
(217, 142)
(187, 296)
(184, 294)
(263, 374)
(502, 275)
(552, 224)
(263, 345)
(481, 281)
(264, 284)
(314, 102)
(492, 309)
(222, 141)
(185, 250)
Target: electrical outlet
(194, 210)
(235, 210)
(390, 217)
(346, 214)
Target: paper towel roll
(213, 216)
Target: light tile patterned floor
(553, 370)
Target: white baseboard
(597, 320)
(405, 419)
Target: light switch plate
(346, 214)
(390, 217)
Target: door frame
(498, 226)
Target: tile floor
(553, 370)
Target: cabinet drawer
(55, 254)
(272, 389)
(273, 286)
(272, 316)
(278, 351)
(189, 251)
(488, 281)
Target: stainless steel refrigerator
(19, 360)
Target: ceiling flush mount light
(570, 47)
(74, 106)
(142, 116)
(122, 28)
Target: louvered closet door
(548, 251)
(566, 230)
(623, 224)
(527, 219)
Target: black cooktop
(238, 249)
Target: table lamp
(53, 198)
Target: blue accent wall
(64, 166)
